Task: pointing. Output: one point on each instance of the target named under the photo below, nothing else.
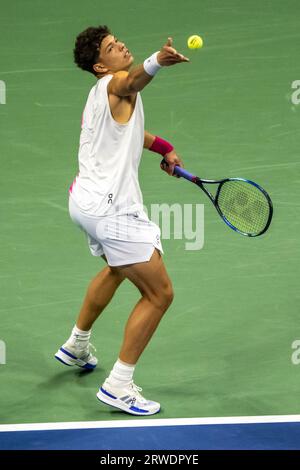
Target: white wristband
(151, 65)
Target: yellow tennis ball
(194, 42)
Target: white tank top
(109, 157)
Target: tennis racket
(243, 205)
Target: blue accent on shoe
(59, 359)
(88, 366)
(138, 410)
(108, 394)
(68, 354)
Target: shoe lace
(136, 392)
(89, 350)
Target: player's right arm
(126, 83)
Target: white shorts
(123, 239)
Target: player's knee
(170, 297)
(161, 297)
(166, 296)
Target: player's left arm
(164, 148)
(148, 139)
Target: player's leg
(155, 286)
(76, 350)
(99, 293)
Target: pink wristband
(161, 146)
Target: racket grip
(182, 172)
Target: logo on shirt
(110, 196)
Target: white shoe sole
(113, 401)
(69, 360)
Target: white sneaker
(127, 399)
(72, 356)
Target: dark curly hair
(87, 46)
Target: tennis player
(105, 201)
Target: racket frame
(214, 199)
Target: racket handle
(182, 172)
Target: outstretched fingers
(175, 56)
(169, 42)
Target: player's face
(114, 54)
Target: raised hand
(169, 56)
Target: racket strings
(244, 206)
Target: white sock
(121, 374)
(79, 338)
